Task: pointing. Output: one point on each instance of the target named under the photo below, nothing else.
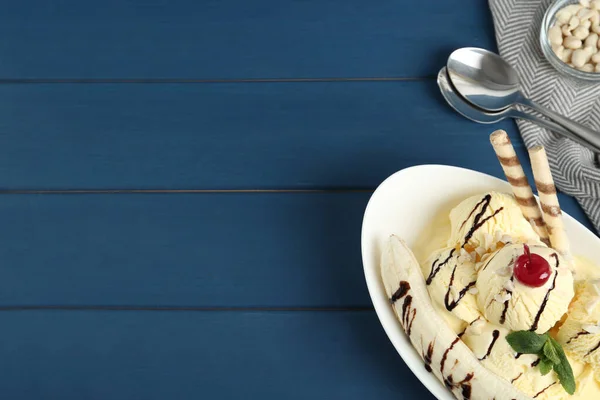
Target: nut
(555, 35)
(566, 31)
(579, 58)
(563, 16)
(573, 8)
(590, 328)
(509, 285)
(581, 32)
(566, 55)
(572, 42)
(585, 14)
(559, 51)
(574, 22)
(591, 40)
(473, 290)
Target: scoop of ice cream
(548, 387)
(509, 303)
(481, 221)
(580, 332)
(451, 279)
(488, 343)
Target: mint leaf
(563, 369)
(565, 375)
(551, 353)
(545, 366)
(526, 342)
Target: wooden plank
(234, 39)
(182, 355)
(183, 250)
(186, 250)
(231, 136)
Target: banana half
(442, 351)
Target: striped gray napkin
(517, 25)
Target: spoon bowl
(465, 109)
(483, 78)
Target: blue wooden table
(183, 185)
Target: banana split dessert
(500, 309)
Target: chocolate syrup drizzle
(593, 350)
(536, 321)
(435, 269)
(427, 357)
(514, 379)
(445, 355)
(401, 292)
(465, 390)
(410, 324)
(406, 308)
(475, 208)
(478, 221)
(406, 312)
(489, 261)
(582, 333)
(503, 315)
(546, 388)
(464, 385)
(495, 336)
(467, 327)
(451, 305)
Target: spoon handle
(556, 128)
(579, 133)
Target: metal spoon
(476, 114)
(487, 81)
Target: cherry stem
(528, 253)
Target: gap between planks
(187, 309)
(180, 191)
(175, 80)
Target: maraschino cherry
(532, 269)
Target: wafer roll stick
(549, 200)
(518, 181)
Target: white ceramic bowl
(404, 204)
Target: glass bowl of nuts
(570, 37)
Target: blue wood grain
(182, 355)
(282, 250)
(194, 250)
(231, 136)
(188, 39)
